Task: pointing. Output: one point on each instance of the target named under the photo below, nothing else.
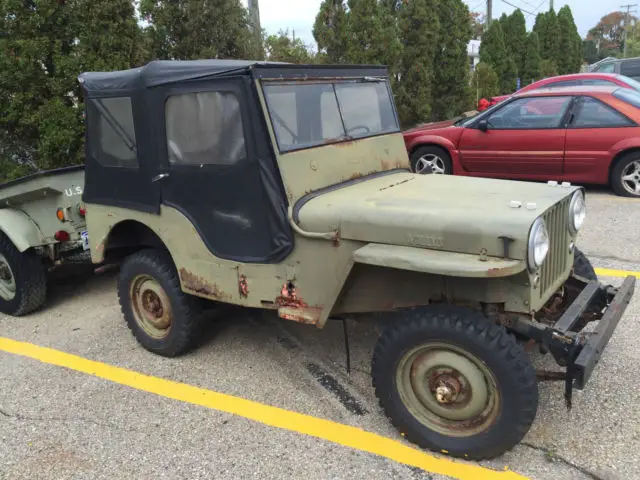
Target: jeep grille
(555, 266)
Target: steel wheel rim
(430, 163)
(448, 390)
(7, 280)
(151, 306)
(631, 178)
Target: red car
(588, 135)
(572, 80)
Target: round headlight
(577, 211)
(538, 243)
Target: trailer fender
(20, 229)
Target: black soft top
(161, 72)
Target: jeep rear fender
(437, 262)
(20, 229)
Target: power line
(515, 6)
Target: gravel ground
(56, 423)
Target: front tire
(23, 281)
(431, 159)
(625, 176)
(162, 318)
(451, 381)
(582, 266)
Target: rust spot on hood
(396, 184)
(199, 285)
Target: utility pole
(550, 4)
(626, 25)
(489, 13)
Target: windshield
(307, 114)
(630, 81)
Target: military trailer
(288, 188)
(42, 226)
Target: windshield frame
(333, 82)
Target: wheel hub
(447, 389)
(631, 178)
(151, 306)
(7, 280)
(430, 163)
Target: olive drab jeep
(288, 188)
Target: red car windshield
(632, 97)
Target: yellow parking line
(610, 272)
(345, 435)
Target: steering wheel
(357, 127)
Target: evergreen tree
(549, 37)
(419, 27)
(43, 49)
(191, 29)
(493, 51)
(508, 80)
(484, 82)
(532, 71)
(374, 38)
(569, 56)
(548, 68)
(331, 31)
(515, 36)
(451, 65)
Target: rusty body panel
(369, 236)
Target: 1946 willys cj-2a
(288, 187)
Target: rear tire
(431, 159)
(162, 318)
(425, 374)
(23, 282)
(625, 176)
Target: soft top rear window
(308, 114)
(632, 97)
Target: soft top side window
(113, 142)
(204, 128)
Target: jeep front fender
(437, 262)
(20, 229)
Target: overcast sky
(299, 15)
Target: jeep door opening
(287, 187)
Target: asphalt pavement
(57, 423)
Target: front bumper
(581, 351)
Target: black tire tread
(582, 266)
(30, 277)
(473, 325)
(185, 307)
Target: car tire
(23, 280)
(582, 266)
(161, 317)
(452, 335)
(431, 159)
(628, 165)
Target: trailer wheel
(23, 282)
(162, 318)
(453, 382)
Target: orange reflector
(60, 214)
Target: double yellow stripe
(338, 433)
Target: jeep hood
(439, 212)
